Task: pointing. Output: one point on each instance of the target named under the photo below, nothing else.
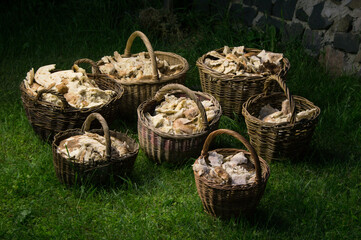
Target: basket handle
(149, 48)
(86, 126)
(169, 87)
(61, 97)
(95, 68)
(238, 136)
(282, 84)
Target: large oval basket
(275, 141)
(176, 149)
(225, 201)
(138, 91)
(232, 91)
(48, 119)
(70, 171)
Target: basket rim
(231, 77)
(77, 131)
(265, 174)
(253, 100)
(141, 118)
(162, 79)
(71, 109)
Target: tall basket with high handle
(227, 200)
(48, 119)
(138, 91)
(70, 170)
(233, 90)
(276, 141)
(165, 147)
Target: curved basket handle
(285, 89)
(95, 68)
(238, 136)
(170, 87)
(86, 126)
(61, 97)
(149, 48)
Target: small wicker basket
(275, 141)
(70, 171)
(232, 91)
(48, 119)
(225, 201)
(138, 91)
(175, 149)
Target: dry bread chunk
(237, 62)
(225, 170)
(136, 68)
(273, 115)
(180, 115)
(89, 147)
(78, 90)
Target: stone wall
(329, 29)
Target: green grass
(317, 198)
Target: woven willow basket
(232, 91)
(275, 141)
(48, 119)
(225, 201)
(70, 171)
(138, 91)
(175, 149)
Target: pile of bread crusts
(78, 90)
(232, 169)
(273, 115)
(239, 62)
(89, 147)
(180, 115)
(136, 68)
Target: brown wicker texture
(136, 92)
(225, 201)
(70, 171)
(232, 91)
(275, 141)
(175, 149)
(48, 119)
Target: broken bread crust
(78, 90)
(238, 62)
(89, 147)
(180, 115)
(137, 67)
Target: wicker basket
(70, 172)
(48, 119)
(232, 91)
(225, 201)
(139, 91)
(274, 141)
(175, 149)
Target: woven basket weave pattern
(137, 92)
(47, 119)
(70, 172)
(226, 201)
(232, 91)
(161, 147)
(277, 141)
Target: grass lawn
(317, 198)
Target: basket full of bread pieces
(173, 125)
(230, 181)
(144, 73)
(232, 75)
(56, 100)
(83, 155)
(280, 125)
